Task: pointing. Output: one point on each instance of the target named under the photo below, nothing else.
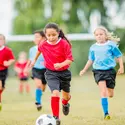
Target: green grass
(19, 109)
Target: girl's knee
(104, 94)
(66, 96)
(1, 88)
(38, 86)
(55, 93)
(111, 95)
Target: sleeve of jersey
(116, 51)
(91, 55)
(68, 52)
(30, 55)
(10, 54)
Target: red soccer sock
(1, 94)
(21, 88)
(27, 88)
(65, 102)
(55, 106)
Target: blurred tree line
(73, 16)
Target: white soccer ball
(46, 120)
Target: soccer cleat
(0, 106)
(107, 117)
(58, 122)
(38, 106)
(66, 109)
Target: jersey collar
(55, 43)
(99, 44)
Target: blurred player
(39, 69)
(102, 55)
(6, 59)
(19, 68)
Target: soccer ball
(46, 120)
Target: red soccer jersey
(57, 53)
(5, 55)
(21, 66)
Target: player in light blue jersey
(102, 55)
(39, 69)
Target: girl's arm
(88, 64)
(121, 69)
(17, 70)
(66, 62)
(28, 64)
(27, 67)
(36, 57)
(9, 62)
(60, 65)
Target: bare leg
(110, 92)
(103, 89)
(39, 84)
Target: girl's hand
(81, 72)
(32, 64)
(57, 65)
(120, 71)
(6, 63)
(26, 71)
(18, 70)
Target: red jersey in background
(5, 55)
(21, 66)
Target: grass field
(19, 109)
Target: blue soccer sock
(104, 102)
(38, 96)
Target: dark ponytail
(62, 35)
(55, 26)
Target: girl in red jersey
(6, 59)
(58, 57)
(19, 68)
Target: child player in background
(19, 68)
(6, 59)
(39, 69)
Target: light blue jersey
(103, 55)
(40, 61)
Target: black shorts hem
(39, 74)
(24, 79)
(59, 80)
(105, 75)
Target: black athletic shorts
(39, 74)
(58, 80)
(105, 75)
(3, 76)
(24, 79)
